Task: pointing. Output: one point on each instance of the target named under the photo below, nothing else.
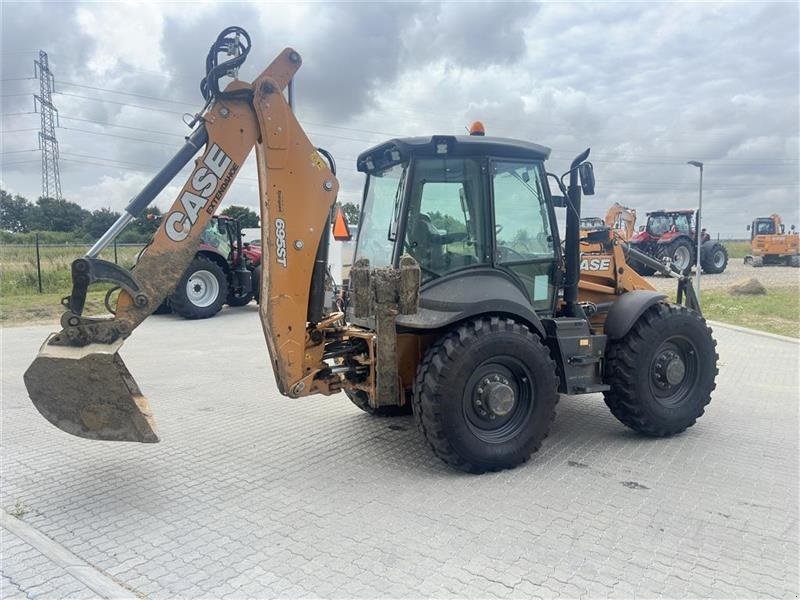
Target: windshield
(383, 189)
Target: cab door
(524, 241)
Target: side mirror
(586, 171)
(748, 228)
(641, 227)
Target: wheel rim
(681, 257)
(719, 258)
(498, 399)
(202, 288)
(674, 371)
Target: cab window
(523, 238)
(682, 223)
(445, 229)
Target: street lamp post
(699, 165)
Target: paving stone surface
(250, 494)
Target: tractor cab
(476, 214)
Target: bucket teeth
(90, 393)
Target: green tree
(99, 221)
(146, 225)
(247, 217)
(352, 212)
(50, 214)
(15, 212)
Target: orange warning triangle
(341, 230)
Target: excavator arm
(622, 220)
(78, 381)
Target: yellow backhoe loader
(464, 305)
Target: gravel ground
(736, 271)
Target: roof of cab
(456, 145)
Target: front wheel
(713, 258)
(485, 395)
(201, 291)
(680, 253)
(662, 372)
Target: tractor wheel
(359, 398)
(485, 395)
(662, 372)
(748, 260)
(201, 291)
(256, 279)
(163, 308)
(794, 261)
(713, 258)
(758, 261)
(235, 300)
(681, 254)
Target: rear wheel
(201, 291)
(662, 372)
(361, 400)
(758, 261)
(239, 300)
(485, 395)
(680, 253)
(714, 258)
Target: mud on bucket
(90, 393)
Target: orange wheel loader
(465, 307)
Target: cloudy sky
(648, 86)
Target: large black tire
(359, 398)
(680, 253)
(163, 308)
(485, 395)
(713, 258)
(202, 290)
(758, 262)
(243, 300)
(662, 372)
(256, 279)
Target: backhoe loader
(464, 306)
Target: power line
(135, 95)
(164, 110)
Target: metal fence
(33, 265)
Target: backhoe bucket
(89, 392)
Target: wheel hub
(681, 258)
(202, 288)
(495, 397)
(670, 369)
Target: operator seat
(426, 243)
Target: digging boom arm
(78, 381)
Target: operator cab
(475, 212)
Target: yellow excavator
(465, 307)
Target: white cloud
(647, 86)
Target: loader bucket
(89, 392)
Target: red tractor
(669, 237)
(225, 270)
